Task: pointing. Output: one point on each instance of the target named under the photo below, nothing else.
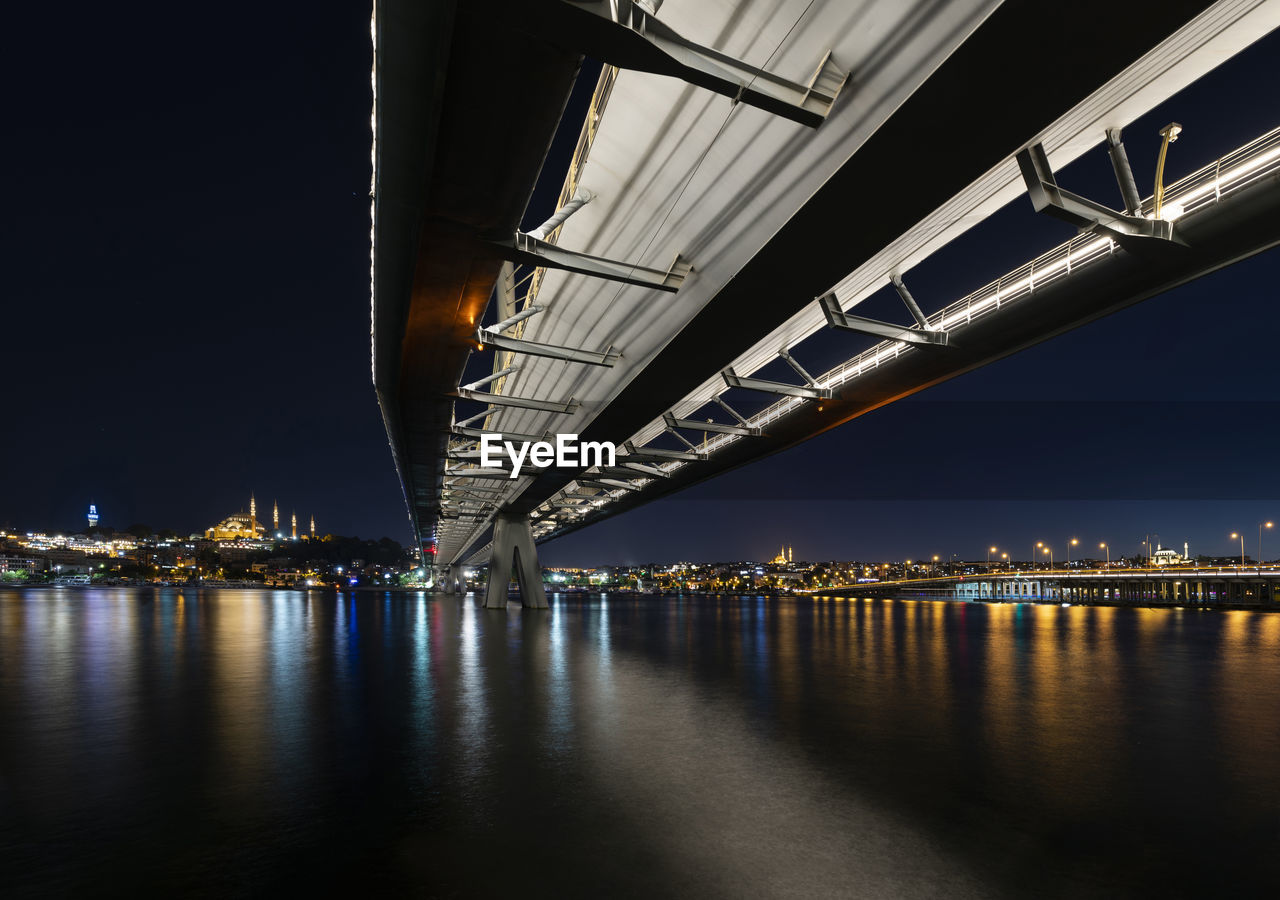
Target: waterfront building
(20, 565)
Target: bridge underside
(465, 113)
(467, 105)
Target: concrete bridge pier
(451, 581)
(513, 546)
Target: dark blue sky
(188, 315)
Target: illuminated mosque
(783, 558)
(240, 526)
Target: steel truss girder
(718, 428)
(1079, 211)
(582, 496)
(479, 433)
(476, 472)
(632, 470)
(608, 484)
(838, 318)
(550, 351)
(552, 406)
(638, 40)
(733, 380)
(470, 501)
(656, 454)
(528, 250)
(475, 488)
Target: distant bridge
(745, 175)
(1252, 586)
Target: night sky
(187, 320)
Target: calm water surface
(244, 742)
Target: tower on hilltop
(295, 526)
(313, 528)
(275, 516)
(93, 516)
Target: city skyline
(1092, 541)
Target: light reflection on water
(242, 741)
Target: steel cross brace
(530, 251)
(838, 318)
(608, 484)
(632, 37)
(516, 318)
(1079, 211)
(476, 472)
(655, 454)
(695, 425)
(479, 433)
(550, 351)
(733, 380)
(518, 402)
(632, 470)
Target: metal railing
(1200, 189)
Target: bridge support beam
(1079, 211)
(838, 318)
(1124, 174)
(628, 34)
(513, 546)
(526, 250)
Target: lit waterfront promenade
(1256, 587)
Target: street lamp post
(1071, 543)
(1103, 546)
(1049, 552)
(990, 550)
(1241, 536)
(1261, 525)
(1039, 546)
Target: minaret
(253, 516)
(313, 528)
(789, 558)
(295, 526)
(275, 516)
